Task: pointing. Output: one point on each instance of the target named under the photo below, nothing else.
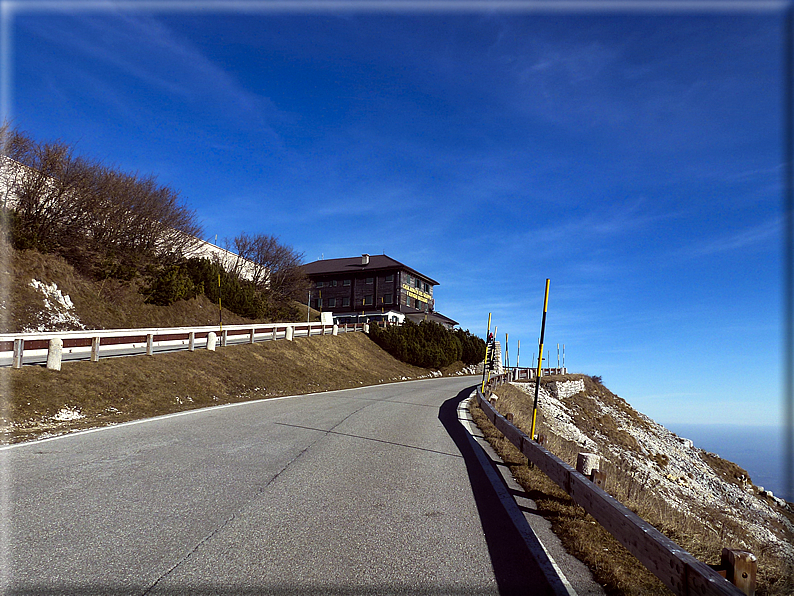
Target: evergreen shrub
(428, 344)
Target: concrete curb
(535, 530)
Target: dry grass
(611, 564)
(703, 536)
(120, 389)
(108, 304)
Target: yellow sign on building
(418, 294)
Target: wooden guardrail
(675, 567)
(33, 348)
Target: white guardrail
(17, 349)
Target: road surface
(369, 491)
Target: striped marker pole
(540, 359)
(485, 362)
(507, 353)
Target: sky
(634, 157)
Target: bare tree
(274, 268)
(65, 202)
(47, 195)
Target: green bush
(473, 347)
(239, 296)
(428, 344)
(171, 285)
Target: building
(372, 288)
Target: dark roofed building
(370, 286)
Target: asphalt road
(377, 490)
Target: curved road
(370, 491)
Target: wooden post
(587, 462)
(95, 349)
(599, 478)
(19, 348)
(191, 341)
(149, 344)
(741, 568)
(509, 416)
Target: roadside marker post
(540, 360)
(485, 362)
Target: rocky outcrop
(687, 478)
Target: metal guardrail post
(95, 349)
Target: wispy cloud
(143, 49)
(765, 234)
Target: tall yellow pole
(540, 359)
(518, 353)
(220, 310)
(485, 362)
(507, 353)
(495, 329)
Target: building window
(331, 302)
(417, 283)
(368, 299)
(318, 303)
(320, 284)
(387, 299)
(333, 283)
(427, 287)
(346, 282)
(369, 281)
(345, 301)
(408, 301)
(419, 304)
(390, 277)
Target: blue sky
(633, 157)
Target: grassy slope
(108, 304)
(121, 389)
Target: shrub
(171, 285)
(427, 344)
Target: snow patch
(58, 310)
(66, 413)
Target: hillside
(43, 292)
(699, 500)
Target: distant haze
(757, 449)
